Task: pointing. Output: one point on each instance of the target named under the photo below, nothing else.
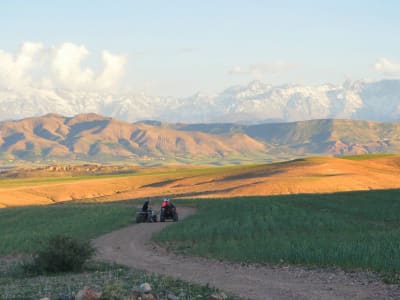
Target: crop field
(22, 228)
(15, 285)
(367, 156)
(352, 230)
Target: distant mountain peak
(251, 103)
(89, 117)
(53, 115)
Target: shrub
(63, 254)
(113, 291)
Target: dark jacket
(145, 207)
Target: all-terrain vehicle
(168, 213)
(149, 216)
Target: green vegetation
(155, 171)
(62, 253)
(49, 180)
(14, 284)
(23, 228)
(366, 156)
(353, 230)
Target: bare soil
(132, 246)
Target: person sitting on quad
(168, 211)
(167, 204)
(146, 208)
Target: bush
(113, 291)
(63, 254)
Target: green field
(353, 230)
(16, 285)
(22, 228)
(366, 156)
(172, 171)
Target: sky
(178, 48)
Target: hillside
(95, 138)
(336, 137)
(311, 175)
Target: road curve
(132, 246)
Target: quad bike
(149, 216)
(168, 213)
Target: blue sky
(181, 47)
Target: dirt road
(132, 246)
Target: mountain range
(254, 103)
(92, 137)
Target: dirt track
(131, 246)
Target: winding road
(132, 246)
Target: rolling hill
(328, 136)
(91, 137)
(47, 185)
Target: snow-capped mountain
(252, 103)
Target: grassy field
(7, 183)
(22, 228)
(172, 171)
(15, 285)
(366, 156)
(352, 230)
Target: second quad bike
(168, 213)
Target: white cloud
(113, 70)
(387, 67)
(262, 68)
(35, 65)
(14, 69)
(66, 66)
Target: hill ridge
(93, 137)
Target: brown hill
(312, 175)
(91, 137)
(335, 137)
(94, 137)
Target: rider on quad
(168, 211)
(146, 204)
(167, 204)
(146, 208)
